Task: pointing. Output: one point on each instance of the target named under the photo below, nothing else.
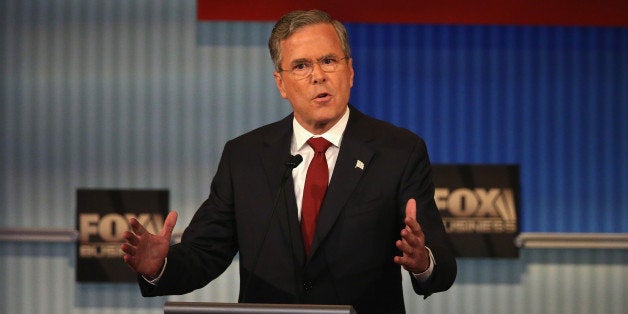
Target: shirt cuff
(154, 281)
(424, 276)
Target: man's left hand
(415, 256)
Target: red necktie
(314, 190)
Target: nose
(318, 75)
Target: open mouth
(321, 95)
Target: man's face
(320, 99)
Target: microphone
(291, 163)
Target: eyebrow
(328, 56)
(299, 61)
(305, 60)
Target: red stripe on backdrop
(491, 12)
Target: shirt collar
(333, 135)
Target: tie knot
(319, 144)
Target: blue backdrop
(552, 99)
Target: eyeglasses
(303, 68)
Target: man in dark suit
(300, 241)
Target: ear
(351, 73)
(280, 84)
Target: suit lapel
(276, 150)
(291, 226)
(353, 160)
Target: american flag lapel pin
(359, 164)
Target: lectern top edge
(172, 307)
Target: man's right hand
(144, 252)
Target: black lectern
(247, 308)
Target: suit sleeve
(208, 244)
(418, 184)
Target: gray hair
(292, 21)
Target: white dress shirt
(300, 146)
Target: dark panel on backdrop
(102, 218)
(479, 207)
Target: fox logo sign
(479, 208)
(102, 217)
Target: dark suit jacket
(351, 260)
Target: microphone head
(294, 161)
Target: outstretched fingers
(412, 242)
(131, 238)
(137, 227)
(171, 221)
(128, 249)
